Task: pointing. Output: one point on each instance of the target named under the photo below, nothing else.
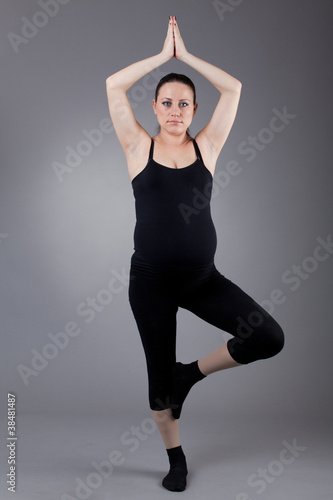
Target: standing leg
(154, 309)
(168, 427)
(175, 480)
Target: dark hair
(176, 77)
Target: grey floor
(238, 458)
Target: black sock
(184, 377)
(175, 480)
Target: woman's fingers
(175, 27)
(171, 24)
(170, 28)
(169, 43)
(180, 49)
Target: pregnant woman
(175, 239)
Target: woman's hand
(180, 49)
(169, 43)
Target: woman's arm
(215, 133)
(128, 130)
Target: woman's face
(174, 107)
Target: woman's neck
(168, 139)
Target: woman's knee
(270, 341)
(262, 342)
(267, 341)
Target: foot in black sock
(175, 480)
(184, 377)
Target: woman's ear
(154, 105)
(195, 108)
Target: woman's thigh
(225, 305)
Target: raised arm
(128, 130)
(215, 133)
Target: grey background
(61, 239)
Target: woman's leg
(175, 480)
(223, 304)
(154, 309)
(155, 315)
(220, 359)
(168, 428)
(256, 335)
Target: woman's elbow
(238, 86)
(109, 82)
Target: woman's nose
(175, 109)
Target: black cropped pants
(155, 294)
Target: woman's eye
(182, 104)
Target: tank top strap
(197, 150)
(151, 149)
(196, 147)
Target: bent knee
(263, 343)
(272, 341)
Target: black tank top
(174, 227)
